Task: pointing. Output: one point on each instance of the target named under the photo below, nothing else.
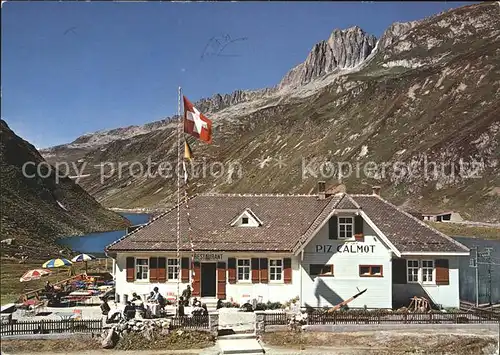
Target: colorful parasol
(57, 263)
(83, 257)
(34, 274)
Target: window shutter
(162, 269)
(231, 266)
(221, 280)
(255, 270)
(442, 272)
(196, 278)
(153, 269)
(287, 270)
(263, 271)
(358, 225)
(399, 273)
(184, 270)
(333, 228)
(130, 269)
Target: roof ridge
(161, 215)
(333, 203)
(348, 196)
(422, 223)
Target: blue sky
(70, 68)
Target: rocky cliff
(36, 207)
(421, 104)
(344, 49)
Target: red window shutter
(184, 270)
(254, 262)
(153, 269)
(196, 278)
(263, 271)
(130, 269)
(231, 266)
(287, 270)
(162, 269)
(221, 280)
(442, 272)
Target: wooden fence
(52, 326)
(387, 318)
(195, 322)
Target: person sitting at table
(129, 311)
(156, 294)
(67, 287)
(151, 297)
(135, 297)
(158, 298)
(105, 308)
(49, 287)
(219, 304)
(198, 310)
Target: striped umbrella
(56, 263)
(83, 257)
(34, 274)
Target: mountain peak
(344, 49)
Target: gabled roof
(285, 219)
(406, 232)
(289, 222)
(247, 212)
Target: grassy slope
(30, 212)
(11, 271)
(456, 229)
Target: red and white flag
(195, 123)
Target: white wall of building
(320, 291)
(445, 295)
(274, 291)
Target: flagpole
(179, 127)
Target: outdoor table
(80, 293)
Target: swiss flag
(195, 123)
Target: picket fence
(387, 318)
(51, 326)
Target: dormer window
(246, 219)
(346, 227)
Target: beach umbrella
(34, 274)
(56, 263)
(83, 257)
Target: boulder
(110, 341)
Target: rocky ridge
(428, 90)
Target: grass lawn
(463, 230)
(11, 288)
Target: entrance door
(208, 279)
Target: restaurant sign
(207, 256)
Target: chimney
(321, 190)
(376, 190)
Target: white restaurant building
(322, 248)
